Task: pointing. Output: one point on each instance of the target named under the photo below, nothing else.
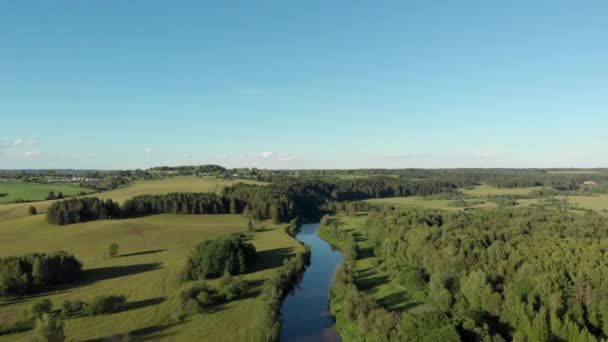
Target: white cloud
(266, 154)
(221, 157)
(288, 157)
(31, 153)
(147, 149)
(24, 142)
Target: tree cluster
(81, 210)
(31, 272)
(224, 255)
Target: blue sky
(309, 84)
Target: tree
(49, 328)
(60, 195)
(113, 249)
(250, 226)
(50, 196)
(32, 210)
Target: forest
(521, 274)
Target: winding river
(305, 312)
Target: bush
(74, 308)
(113, 249)
(49, 328)
(106, 304)
(39, 308)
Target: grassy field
(153, 250)
(414, 201)
(161, 186)
(488, 190)
(17, 190)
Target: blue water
(305, 312)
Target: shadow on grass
(396, 301)
(272, 258)
(27, 297)
(104, 273)
(254, 288)
(369, 284)
(138, 304)
(152, 251)
(88, 277)
(151, 333)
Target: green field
(153, 250)
(161, 186)
(488, 190)
(415, 201)
(17, 190)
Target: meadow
(27, 191)
(140, 187)
(153, 250)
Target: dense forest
(527, 274)
(33, 272)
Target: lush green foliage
(23, 274)
(527, 274)
(81, 210)
(212, 258)
(49, 328)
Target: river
(305, 311)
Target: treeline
(523, 274)
(224, 255)
(81, 210)
(274, 291)
(280, 201)
(25, 274)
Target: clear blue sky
(303, 84)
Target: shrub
(49, 328)
(74, 308)
(40, 307)
(106, 304)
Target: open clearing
(153, 250)
(16, 190)
(415, 201)
(488, 190)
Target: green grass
(155, 249)
(161, 186)
(17, 190)
(488, 190)
(415, 201)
